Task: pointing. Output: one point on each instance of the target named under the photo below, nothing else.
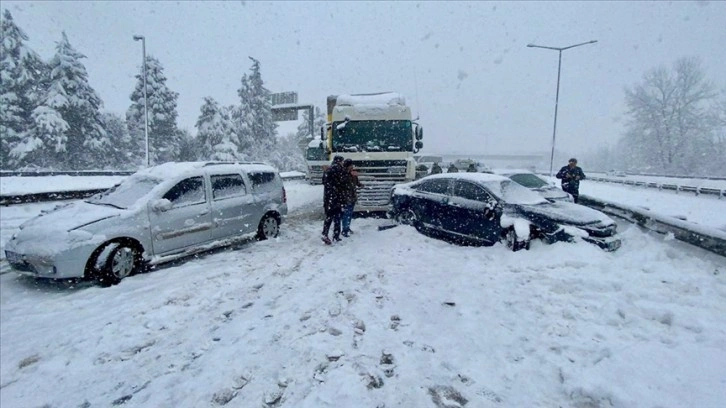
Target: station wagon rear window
(227, 185)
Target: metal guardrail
(711, 239)
(663, 186)
(6, 200)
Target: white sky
(464, 66)
(292, 323)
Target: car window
(470, 191)
(262, 181)
(528, 180)
(186, 192)
(126, 193)
(437, 186)
(227, 185)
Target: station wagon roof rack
(216, 163)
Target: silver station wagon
(155, 215)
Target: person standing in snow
(350, 194)
(436, 169)
(452, 169)
(571, 176)
(333, 200)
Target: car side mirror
(161, 205)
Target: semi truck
(378, 133)
(316, 161)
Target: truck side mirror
(418, 146)
(419, 132)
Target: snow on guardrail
(711, 239)
(695, 186)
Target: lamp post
(557, 97)
(146, 103)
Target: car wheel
(513, 241)
(123, 260)
(269, 228)
(407, 217)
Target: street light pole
(146, 103)
(557, 97)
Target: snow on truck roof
(383, 98)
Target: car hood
(67, 217)
(568, 214)
(552, 193)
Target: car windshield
(513, 193)
(126, 193)
(528, 180)
(372, 136)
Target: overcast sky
(463, 66)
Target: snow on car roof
(481, 177)
(511, 171)
(175, 169)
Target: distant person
(333, 187)
(571, 176)
(452, 169)
(350, 194)
(436, 169)
(472, 168)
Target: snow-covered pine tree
(68, 120)
(255, 118)
(163, 135)
(125, 152)
(21, 77)
(214, 131)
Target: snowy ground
(384, 319)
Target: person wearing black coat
(571, 176)
(333, 198)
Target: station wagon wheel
(407, 217)
(269, 227)
(122, 261)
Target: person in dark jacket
(436, 169)
(452, 169)
(472, 168)
(350, 194)
(571, 176)
(333, 199)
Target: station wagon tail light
(284, 196)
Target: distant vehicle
(316, 162)
(487, 208)
(616, 173)
(463, 165)
(155, 215)
(535, 183)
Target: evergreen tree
(22, 70)
(68, 121)
(255, 118)
(162, 103)
(215, 133)
(125, 152)
(188, 146)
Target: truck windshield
(372, 136)
(315, 153)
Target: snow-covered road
(387, 318)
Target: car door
(430, 202)
(233, 206)
(184, 223)
(471, 213)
